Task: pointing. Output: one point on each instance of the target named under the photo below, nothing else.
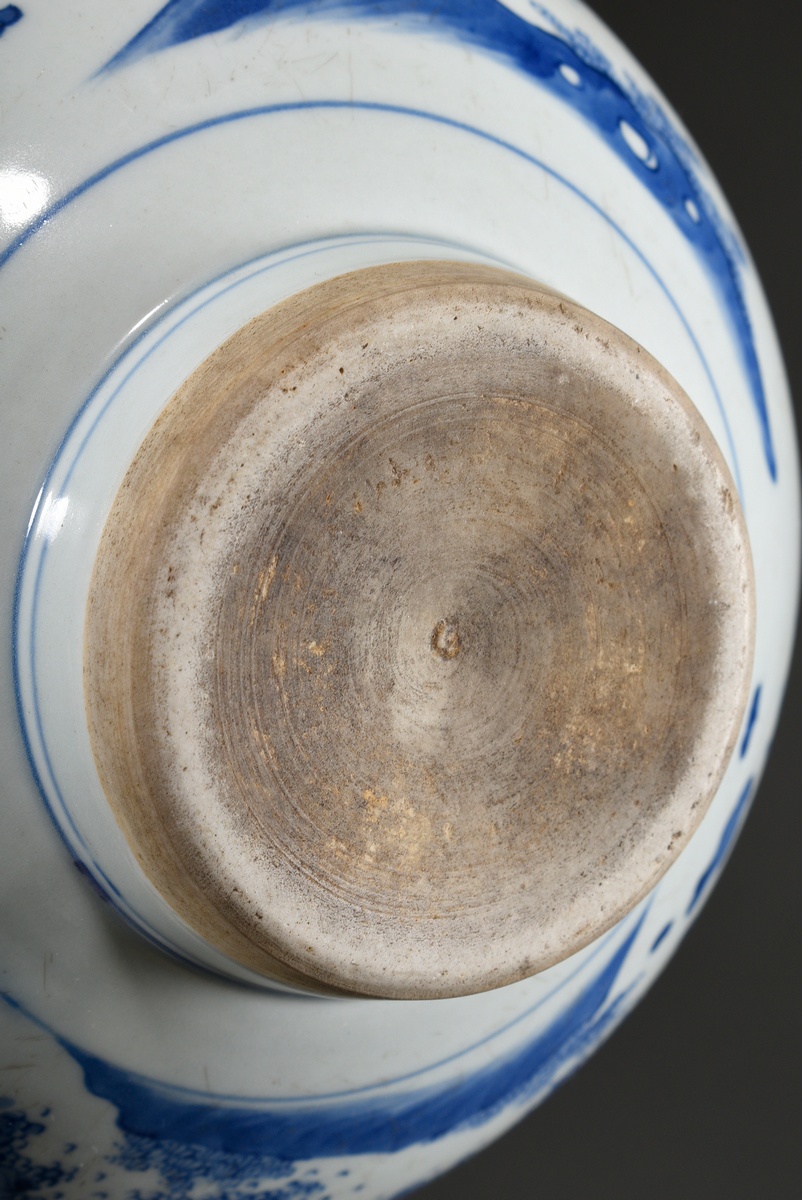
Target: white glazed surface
(116, 264)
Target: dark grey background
(697, 1096)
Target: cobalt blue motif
(9, 15)
(21, 1177)
(727, 837)
(186, 1135)
(662, 935)
(750, 721)
(237, 1176)
(568, 65)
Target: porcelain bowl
(168, 176)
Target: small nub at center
(446, 639)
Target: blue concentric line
(47, 215)
(365, 1124)
(627, 928)
(270, 111)
(298, 106)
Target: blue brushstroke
(662, 935)
(570, 67)
(191, 1132)
(9, 15)
(750, 721)
(727, 837)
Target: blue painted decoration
(662, 935)
(9, 15)
(21, 1175)
(186, 1135)
(750, 721)
(236, 1176)
(568, 65)
(727, 837)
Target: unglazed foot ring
(419, 634)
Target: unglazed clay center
(441, 635)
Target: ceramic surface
(167, 176)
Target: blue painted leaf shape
(9, 15)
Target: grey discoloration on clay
(419, 635)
